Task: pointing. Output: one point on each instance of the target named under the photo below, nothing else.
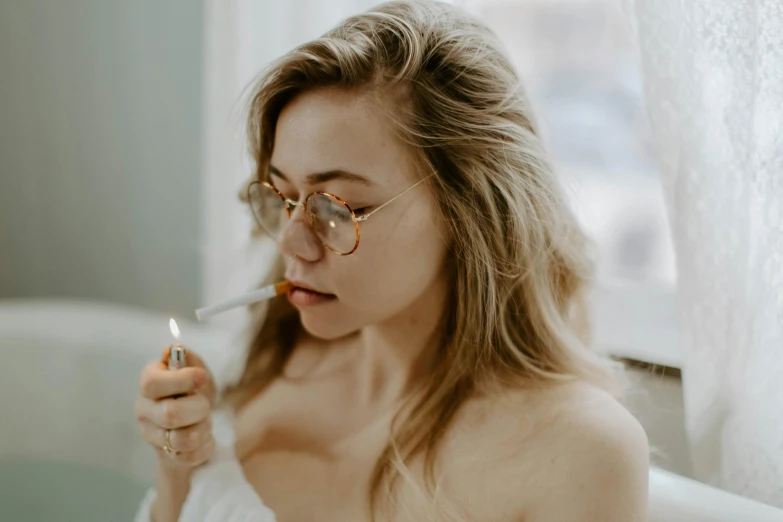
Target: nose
(298, 239)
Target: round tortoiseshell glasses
(330, 217)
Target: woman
(430, 362)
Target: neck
(395, 355)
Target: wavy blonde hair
(519, 269)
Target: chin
(325, 326)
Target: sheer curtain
(713, 74)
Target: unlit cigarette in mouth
(262, 294)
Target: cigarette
(268, 292)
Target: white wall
(121, 151)
(100, 129)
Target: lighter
(177, 353)
(177, 357)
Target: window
(578, 63)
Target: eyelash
(357, 211)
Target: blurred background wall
(100, 129)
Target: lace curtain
(713, 75)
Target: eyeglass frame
(290, 207)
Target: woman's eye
(284, 187)
(361, 211)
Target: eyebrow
(323, 177)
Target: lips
(304, 286)
(303, 294)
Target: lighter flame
(174, 328)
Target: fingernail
(200, 378)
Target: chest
(309, 454)
(311, 458)
(309, 449)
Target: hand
(188, 417)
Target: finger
(158, 382)
(174, 413)
(142, 408)
(201, 455)
(189, 438)
(208, 388)
(190, 458)
(150, 434)
(192, 437)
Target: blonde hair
(519, 267)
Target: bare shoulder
(571, 452)
(599, 457)
(579, 417)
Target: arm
(172, 490)
(165, 501)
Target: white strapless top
(219, 491)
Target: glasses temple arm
(366, 216)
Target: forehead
(330, 129)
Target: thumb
(192, 360)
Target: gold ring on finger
(167, 445)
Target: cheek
(395, 263)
